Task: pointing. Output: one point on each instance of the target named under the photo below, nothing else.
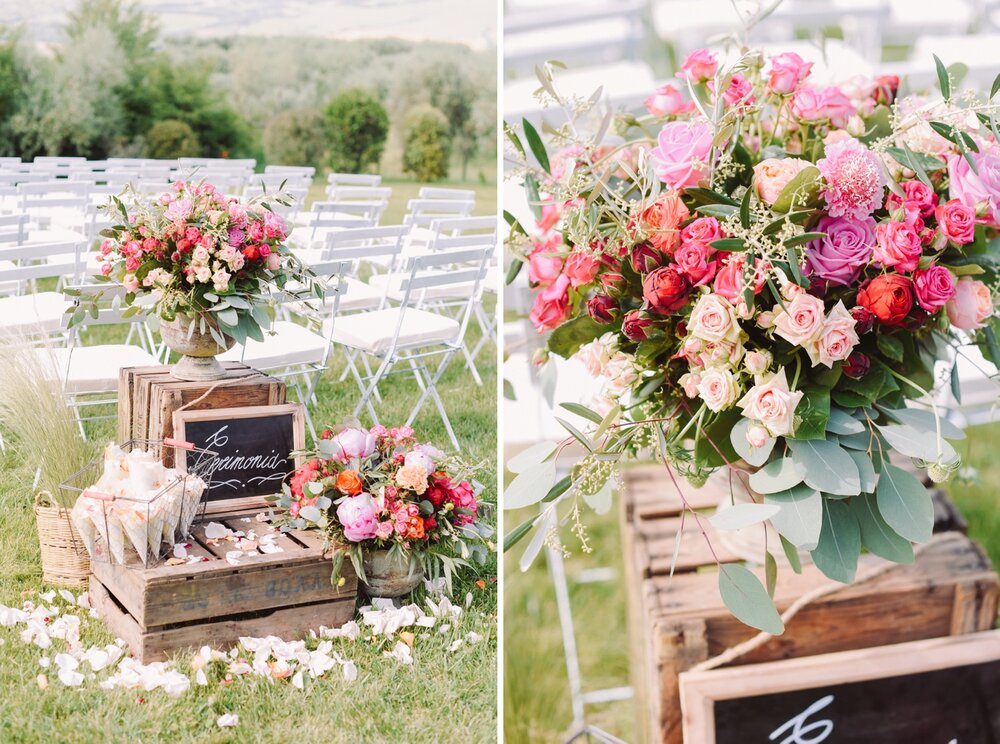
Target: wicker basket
(64, 558)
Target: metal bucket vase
(388, 576)
(198, 350)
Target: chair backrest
(53, 188)
(433, 192)
(424, 211)
(336, 192)
(14, 228)
(43, 261)
(304, 171)
(217, 163)
(443, 243)
(110, 311)
(354, 179)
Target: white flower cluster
(604, 360)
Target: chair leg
(471, 365)
(368, 372)
(431, 391)
(366, 394)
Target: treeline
(117, 87)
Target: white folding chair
(354, 179)
(434, 192)
(305, 172)
(413, 335)
(37, 315)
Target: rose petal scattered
(228, 720)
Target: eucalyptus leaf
(310, 513)
(601, 501)
(801, 515)
(530, 486)
(924, 420)
(534, 548)
(866, 470)
(747, 599)
(739, 516)
(827, 465)
(532, 456)
(778, 475)
(905, 504)
(916, 442)
(791, 555)
(841, 422)
(878, 536)
(839, 542)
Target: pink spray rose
(772, 404)
(773, 174)
(787, 72)
(702, 230)
(551, 307)
(840, 256)
(957, 221)
(801, 320)
(693, 261)
(699, 66)
(897, 244)
(665, 101)
(971, 304)
(543, 265)
(581, 269)
(933, 286)
(357, 516)
(680, 158)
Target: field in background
(537, 707)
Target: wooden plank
(655, 495)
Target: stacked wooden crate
(679, 621)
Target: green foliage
(357, 127)
(427, 148)
(296, 137)
(171, 138)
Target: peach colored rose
(801, 321)
(772, 404)
(718, 388)
(714, 319)
(663, 219)
(773, 174)
(971, 305)
(837, 339)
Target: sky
(471, 22)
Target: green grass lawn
(444, 696)
(536, 693)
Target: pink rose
(273, 262)
(581, 269)
(829, 104)
(837, 339)
(692, 261)
(729, 279)
(551, 306)
(699, 66)
(957, 221)
(543, 263)
(130, 283)
(801, 321)
(918, 197)
(897, 244)
(550, 216)
(665, 101)
(788, 71)
(738, 91)
(842, 253)
(357, 517)
(353, 444)
(772, 175)
(976, 190)
(772, 404)
(933, 286)
(714, 319)
(702, 230)
(757, 436)
(971, 304)
(384, 530)
(718, 388)
(757, 362)
(680, 158)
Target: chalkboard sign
(938, 691)
(252, 443)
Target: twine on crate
(217, 384)
(741, 649)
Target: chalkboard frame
(699, 691)
(297, 412)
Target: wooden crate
(148, 397)
(164, 609)
(677, 622)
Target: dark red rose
(634, 325)
(645, 258)
(863, 319)
(889, 297)
(665, 290)
(885, 89)
(602, 309)
(857, 365)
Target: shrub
(427, 147)
(296, 137)
(170, 138)
(357, 126)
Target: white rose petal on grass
(473, 637)
(455, 645)
(400, 652)
(201, 678)
(298, 680)
(350, 671)
(180, 551)
(68, 596)
(48, 596)
(228, 720)
(44, 662)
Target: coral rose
(349, 482)
(888, 297)
(665, 290)
(663, 219)
(971, 305)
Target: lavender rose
(841, 255)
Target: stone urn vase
(198, 350)
(389, 576)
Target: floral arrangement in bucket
(764, 272)
(397, 508)
(208, 262)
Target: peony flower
(551, 307)
(772, 404)
(581, 269)
(837, 339)
(714, 319)
(842, 254)
(957, 221)
(419, 457)
(718, 388)
(680, 158)
(801, 321)
(544, 263)
(897, 245)
(180, 209)
(933, 286)
(971, 304)
(357, 516)
(772, 175)
(854, 183)
(663, 219)
(888, 297)
(353, 444)
(666, 101)
(665, 290)
(413, 477)
(699, 66)
(787, 73)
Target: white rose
(772, 404)
(595, 356)
(801, 320)
(714, 319)
(718, 388)
(690, 381)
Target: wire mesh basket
(130, 509)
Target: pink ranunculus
(551, 307)
(772, 175)
(693, 261)
(841, 255)
(787, 73)
(898, 245)
(351, 444)
(699, 66)
(971, 304)
(544, 265)
(581, 268)
(680, 158)
(957, 221)
(702, 230)
(357, 516)
(665, 101)
(934, 286)
(854, 182)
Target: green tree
(170, 138)
(357, 126)
(13, 89)
(296, 137)
(427, 147)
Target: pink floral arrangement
(200, 253)
(763, 275)
(381, 489)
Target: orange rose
(415, 528)
(663, 220)
(348, 482)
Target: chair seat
(395, 288)
(373, 332)
(94, 369)
(31, 313)
(357, 296)
(290, 345)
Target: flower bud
(864, 319)
(602, 309)
(757, 436)
(634, 326)
(645, 258)
(613, 283)
(857, 365)
(757, 362)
